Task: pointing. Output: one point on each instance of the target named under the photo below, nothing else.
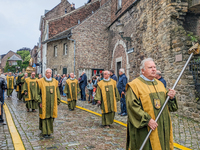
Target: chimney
(72, 6)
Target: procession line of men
(145, 96)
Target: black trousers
(1, 116)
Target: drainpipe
(74, 52)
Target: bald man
(107, 96)
(48, 99)
(71, 90)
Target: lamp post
(120, 27)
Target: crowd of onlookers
(88, 87)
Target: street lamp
(120, 27)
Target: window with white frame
(14, 63)
(119, 4)
(65, 48)
(55, 51)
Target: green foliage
(23, 54)
(193, 38)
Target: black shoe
(70, 109)
(45, 135)
(102, 126)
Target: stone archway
(120, 56)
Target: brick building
(61, 9)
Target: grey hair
(143, 63)
(48, 69)
(107, 71)
(122, 70)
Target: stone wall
(156, 29)
(61, 61)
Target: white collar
(72, 78)
(145, 78)
(50, 79)
(106, 79)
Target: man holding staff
(144, 98)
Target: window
(55, 51)
(119, 4)
(14, 63)
(65, 49)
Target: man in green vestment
(107, 96)
(19, 85)
(71, 89)
(10, 84)
(23, 86)
(144, 98)
(30, 93)
(48, 99)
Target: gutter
(68, 37)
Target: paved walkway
(80, 130)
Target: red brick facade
(72, 19)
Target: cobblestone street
(81, 130)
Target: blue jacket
(83, 81)
(114, 77)
(90, 86)
(163, 81)
(122, 83)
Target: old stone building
(157, 29)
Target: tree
(23, 54)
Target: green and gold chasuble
(49, 96)
(22, 88)
(10, 85)
(144, 100)
(30, 86)
(71, 89)
(19, 86)
(108, 95)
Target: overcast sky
(19, 22)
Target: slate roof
(14, 57)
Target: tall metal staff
(192, 51)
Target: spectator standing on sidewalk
(90, 89)
(160, 78)
(63, 84)
(2, 89)
(83, 84)
(121, 88)
(112, 75)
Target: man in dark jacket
(121, 88)
(112, 75)
(83, 84)
(2, 88)
(160, 78)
